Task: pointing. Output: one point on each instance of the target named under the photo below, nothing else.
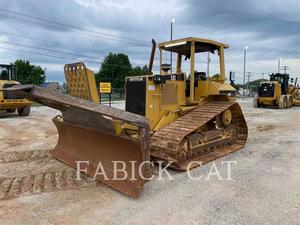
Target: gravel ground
(264, 188)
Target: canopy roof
(183, 45)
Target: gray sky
(87, 30)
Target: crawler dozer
(278, 91)
(10, 103)
(185, 119)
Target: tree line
(114, 68)
(26, 73)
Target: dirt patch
(267, 173)
(272, 155)
(262, 128)
(26, 167)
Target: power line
(76, 31)
(285, 68)
(69, 25)
(249, 74)
(47, 49)
(63, 57)
(97, 33)
(42, 54)
(57, 23)
(42, 40)
(51, 42)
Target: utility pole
(285, 68)
(208, 62)
(262, 76)
(249, 74)
(279, 62)
(171, 61)
(245, 58)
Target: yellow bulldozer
(171, 117)
(279, 91)
(11, 103)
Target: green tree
(114, 68)
(254, 84)
(216, 76)
(29, 74)
(138, 71)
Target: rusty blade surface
(108, 156)
(87, 133)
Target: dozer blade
(88, 137)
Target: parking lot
(36, 189)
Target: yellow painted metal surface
(105, 87)
(193, 39)
(211, 87)
(295, 93)
(161, 114)
(270, 101)
(14, 103)
(11, 103)
(167, 101)
(81, 82)
(222, 63)
(159, 111)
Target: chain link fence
(118, 94)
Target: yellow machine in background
(10, 103)
(183, 117)
(294, 91)
(277, 92)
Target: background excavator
(170, 117)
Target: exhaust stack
(152, 56)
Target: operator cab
(277, 81)
(7, 72)
(282, 79)
(197, 80)
(171, 89)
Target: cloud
(270, 28)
